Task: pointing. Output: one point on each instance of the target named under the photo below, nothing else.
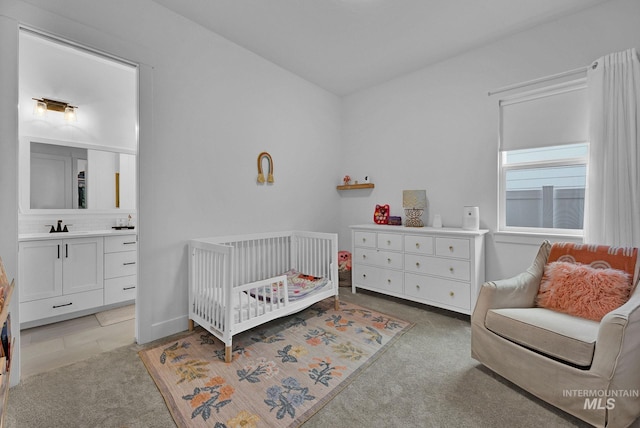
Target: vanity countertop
(74, 234)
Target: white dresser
(442, 267)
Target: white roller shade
(551, 117)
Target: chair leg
(227, 354)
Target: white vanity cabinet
(83, 272)
(442, 267)
(59, 276)
(120, 270)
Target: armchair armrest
(517, 292)
(618, 341)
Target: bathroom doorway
(80, 103)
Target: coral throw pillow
(582, 290)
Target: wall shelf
(356, 186)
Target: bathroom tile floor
(55, 345)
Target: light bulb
(70, 114)
(40, 108)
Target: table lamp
(414, 203)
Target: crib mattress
(299, 285)
(257, 301)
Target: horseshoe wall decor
(261, 156)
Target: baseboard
(164, 329)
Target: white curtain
(612, 205)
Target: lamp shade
(415, 199)
(40, 108)
(70, 114)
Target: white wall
(101, 170)
(104, 92)
(127, 170)
(208, 108)
(436, 128)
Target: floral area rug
(282, 372)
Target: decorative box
(395, 221)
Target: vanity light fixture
(44, 104)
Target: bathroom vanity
(75, 272)
(85, 266)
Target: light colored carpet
(426, 379)
(282, 372)
(114, 316)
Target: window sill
(533, 238)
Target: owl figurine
(381, 214)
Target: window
(543, 160)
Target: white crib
(239, 282)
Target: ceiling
(347, 45)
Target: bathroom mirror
(58, 177)
(73, 176)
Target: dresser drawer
(447, 268)
(438, 290)
(383, 259)
(452, 247)
(365, 276)
(365, 239)
(385, 280)
(419, 244)
(51, 307)
(389, 241)
(113, 244)
(120, 289)
(390, 259)
(365, 255)
(120, 264)
(391, 281)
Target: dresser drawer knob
(388, 281)
(364, 256)
(417, 287)
(417, 264)
(417, 245)
(451, 269)
(451, 293)
(451, 248)
(364, 239)
(364, 275)
(388, 260)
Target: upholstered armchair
(589, 368)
